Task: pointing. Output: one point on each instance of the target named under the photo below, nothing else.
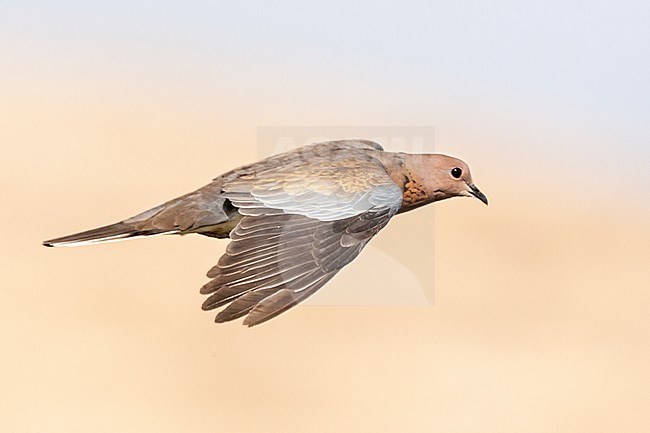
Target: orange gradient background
(541, 320)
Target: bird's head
(439, 177)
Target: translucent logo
(397, 266)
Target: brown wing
(303, 220)
(276, 261)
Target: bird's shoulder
(307, 157)
(354, 165)
(325, 181)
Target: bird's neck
(410, 173)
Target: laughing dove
(294, 219)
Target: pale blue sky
(594, 54)
(579, 67)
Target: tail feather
(112, 232)
(197, 212)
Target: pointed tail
(112, 232)
(196, 212)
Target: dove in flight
(293, 219)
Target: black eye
(456, 172)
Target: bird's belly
(220, 230)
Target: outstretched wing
(302, 223)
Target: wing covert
(323, 185)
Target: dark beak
(478, 194)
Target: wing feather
(293, 263)
(302, 222)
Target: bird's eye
(456, 172)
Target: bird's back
(207, 211)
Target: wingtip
(218, 319)
(48, 244)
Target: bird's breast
(414, 195)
